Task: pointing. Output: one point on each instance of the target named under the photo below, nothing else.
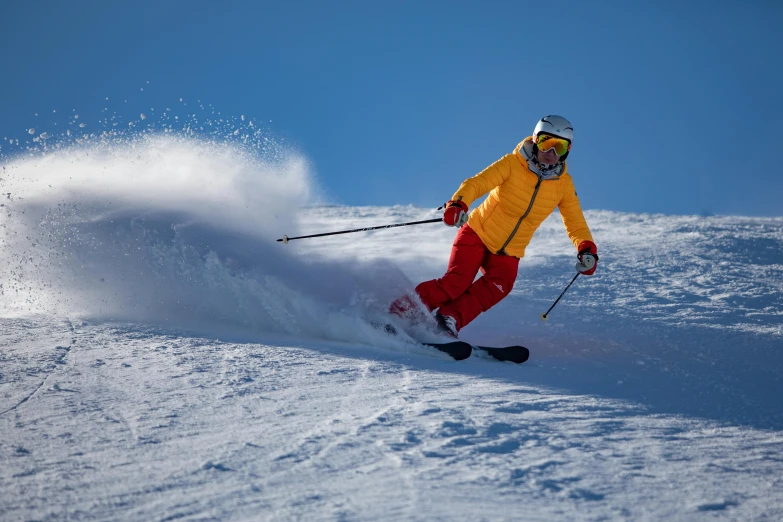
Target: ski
(457, 349)
(460, 350)
(515, 354)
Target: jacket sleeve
(492, 176)
(573, 217)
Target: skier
(525, 186)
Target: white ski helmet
(556, 126)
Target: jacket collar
(525, 152)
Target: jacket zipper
(513, 232)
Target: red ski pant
(456, 294)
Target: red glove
(456, 213)
(588, 258)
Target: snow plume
(175, 231)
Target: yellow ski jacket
(520, 200)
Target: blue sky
(677, 106)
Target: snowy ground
(207, 372)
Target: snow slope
(163, 357)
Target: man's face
(549, 146)
(548, 157)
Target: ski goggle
(546, 142)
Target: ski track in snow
(154, 367)
(141, 425)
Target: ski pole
(544, 316)
(286, 239)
